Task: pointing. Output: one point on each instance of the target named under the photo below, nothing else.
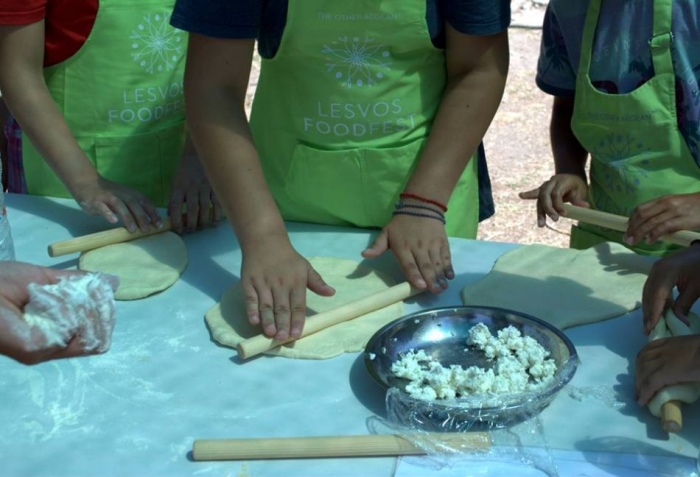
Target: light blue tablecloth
(137, 409)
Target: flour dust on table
(145, 266)
(229, 324)
(564, 287)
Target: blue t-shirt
(621, 59)
(266, 19)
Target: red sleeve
(22, 12)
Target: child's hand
(274, 278)
(662, 216)
(420, 245)
(552, 194)
(27, 344)
(191, 189)
(664, 362)
(680, 270)
(114, 202)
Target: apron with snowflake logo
(121, 95)
(343, 110)
(637, 151)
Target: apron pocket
(323, 187)
(145, 162)
(353, 186)
(387, 172)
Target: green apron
(343, 110)
(121, 95)
(637, 151)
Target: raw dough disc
(229, 325)
(669, 325)
(563, 286)
(145, 266)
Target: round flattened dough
(592, 285)
(144, 266)
(229, 325)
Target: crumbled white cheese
(520, 364)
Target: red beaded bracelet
(409, 195)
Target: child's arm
(25, 92)
(477, 67)
(274, 276)
(569, 183)
(569, 155)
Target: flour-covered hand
(74, 324)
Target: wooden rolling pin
(261, 343)
(619, 223)
(102, 239)
(671, 416)
(331, 446)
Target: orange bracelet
(409, 195)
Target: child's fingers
(204, 219)
(530, 194)
(137, 210)
(118, 207)
(153, 216)
(175, 210)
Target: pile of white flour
(81, 306)
(520, 364)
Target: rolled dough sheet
(229, 325)
(563, 286)
(145, 266)
(669, 325)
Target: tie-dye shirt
(621, 59)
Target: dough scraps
(564, 287)
(145, 266)
(669, 325)
(229, 325)
(80, 306)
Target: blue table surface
(137, 409)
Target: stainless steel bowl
(442, 334)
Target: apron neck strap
(661, 38)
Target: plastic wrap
(510, 422)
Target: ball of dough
(677, 328)
(145, 266)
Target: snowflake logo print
(156, 46)
(616, 173)
(356, 62)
